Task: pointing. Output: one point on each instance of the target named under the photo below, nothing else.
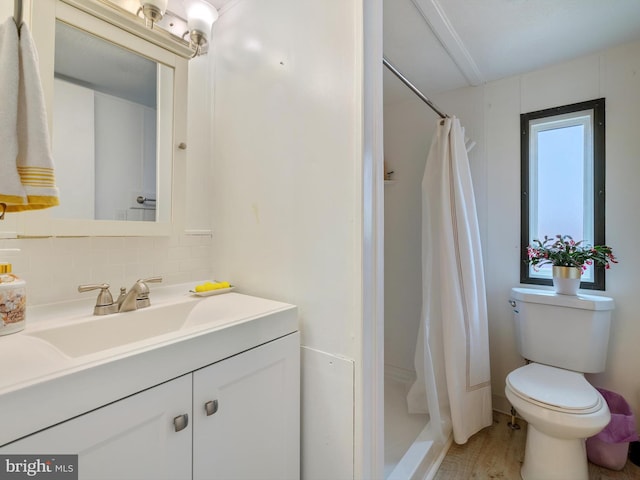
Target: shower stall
(412, 450)
(435, 298)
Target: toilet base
(549, 458)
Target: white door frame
(372, 376)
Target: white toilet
(564, 336)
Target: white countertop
(40, 385)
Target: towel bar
(141, 200)
(17, 12)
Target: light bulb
(200, 17)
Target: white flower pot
(566, 280)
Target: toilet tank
(564, 331)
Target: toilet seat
(555, 389)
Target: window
(562, 182)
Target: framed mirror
(117, 108)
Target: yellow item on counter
(206, 286)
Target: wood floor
(498, 451)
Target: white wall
(613, 75)
(287, 204)
(199, 146)
(54, 267)
(408, 130)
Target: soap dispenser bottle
(13, 301)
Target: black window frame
(598, 107)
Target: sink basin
(109, 331)
(90, 334)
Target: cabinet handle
(181, 422)
(211, 407)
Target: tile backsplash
(54, 267)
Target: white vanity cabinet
(246, 413)
(243, 423)
(133, 438)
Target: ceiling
(441, 45)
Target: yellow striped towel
(33, 162)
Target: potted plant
(569, 259)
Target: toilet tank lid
(548, 297)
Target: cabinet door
(134, 438)
(251, 428)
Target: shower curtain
(452, 351)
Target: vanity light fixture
(200, 18)
(153, 10)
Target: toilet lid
(556, 388)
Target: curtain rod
(404, 80)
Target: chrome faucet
(137, 296)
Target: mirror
(107, 106)
(116, 99)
